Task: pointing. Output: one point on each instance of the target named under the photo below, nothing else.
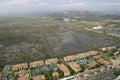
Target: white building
(98, 27)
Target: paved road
(5, 72)
(104, 75)
(108, 74)
(77, 76)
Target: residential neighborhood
(80, 66)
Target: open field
(29, 38)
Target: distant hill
(116, 17)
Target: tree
(49, 75)
(61, 74)
(117, 73)
(82, 68)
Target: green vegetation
(35, 71)
(21, 36)
(1, 69)
(82, 68)
(11, 75)
(72, 72)
(61, 74)
(117, 73)
(48, 75)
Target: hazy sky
(28, 6)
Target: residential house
(69, 58)
(23, 78)
(100, 60)
(20, 66)
(111, 47)
(20, 73)
(91, 65)
(74, 66)
(116, 53)
(37, 63)
(55, 74)
(40, 77)
(86, 54)
(81, 55)
(115, 62)
(51, 61)
(64, 69)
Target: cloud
(13, 3)
(21, 6)
(74, 4)
(42, 3)
(29, 5)
(11, 6)
(71, 1)
(107, 6)
(112, 4)
(19, 3)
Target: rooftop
(91, 65)
(20, 73)
(51, 61)
(14, 67)
(81, 55)
(55, 74)
(100, 59)
(74, 66)
(40, 77)
(23, 78)
(34, 64)
(64, 69)
(115, 62)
